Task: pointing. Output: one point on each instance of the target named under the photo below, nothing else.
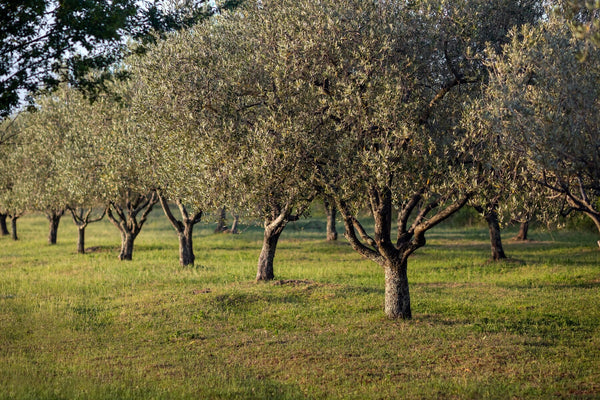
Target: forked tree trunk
(82, 217)
(3, 228)
(126, 220)
(54, 220)
(495, 238)
(331, 212)
(81, 239)
(267, 254)
(184, 228)
(397, 295)
(126, 252)
(13, 223)
(523, 231)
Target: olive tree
(185, 141)
(45, 135)
(542, 102)
(371, 94)
(212, 109)
(12, 164)
(127, 190)
(63, 172)
(81, 162)
(273, 106)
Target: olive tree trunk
(183, 227)
(267, 253)
(13, 223)
(331, 212)
(393, 257)
(523, 231)
(125, 219)
(82, 217)
(491, 217)
(186, 247)
(397, 295)
(221, 222)
(54, 220)
(234, 225)
(495, 238)
(3, 227)
(127, 239)
(81, 239)
(274, 225)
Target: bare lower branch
(350, 234)
(167, 210)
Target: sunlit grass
(89, 326)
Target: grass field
(90, 327)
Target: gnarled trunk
(127, 240)
(397, 295)
(331, 212)
(126, 219)
(54, 220)
(186, 248)
(184, 228)
(523, 231)
(3, 228)
(495, 238)
(267, 254)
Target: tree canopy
(44, 42)
(542, 106)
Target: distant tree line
(410, 110)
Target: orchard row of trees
(411, 110)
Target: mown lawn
(91, 327)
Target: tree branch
(167, 210)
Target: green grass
(91, 327)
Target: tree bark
(13, 223)
(495, 238)
(523, 230)
(221, 225)
(186, 248)
(54, 219)
(267, 254)
(394, 257)
(82, 218)
(126, 219)
(331, 212)
(127, 240)
(81, 239)
(184, 229)
(491, 217)
(397, 295)
(3, 228)
(234, 225)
